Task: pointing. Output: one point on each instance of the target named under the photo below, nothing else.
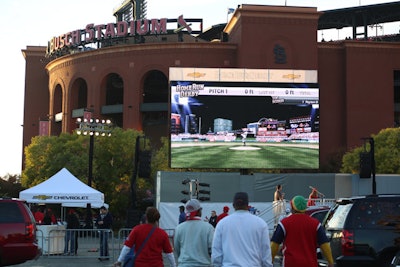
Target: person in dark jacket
(182, 214)
(71, 236)
(104, 224)
(213, 218)
(49, 217)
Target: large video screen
(244, 119)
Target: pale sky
(34, 22)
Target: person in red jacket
(155, 240)
(223, 214)
(39, 215)
(301, 235)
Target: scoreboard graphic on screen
(244, 118)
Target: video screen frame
(243, 118)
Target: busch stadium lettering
(95, 33)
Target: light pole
(92, 128)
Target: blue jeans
(104, 243)
(69, 242)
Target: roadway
(46, 261)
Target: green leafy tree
(160, 158)
(387, 153)
(114, 167)
(112, 170)
(10, 186)
(46, 155)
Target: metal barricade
(79, 243)
(123, 234)
(281, 209)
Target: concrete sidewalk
(78, 262)
(45, 261)
(66, 262)
(88, 245)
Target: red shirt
(221, 216)
(301, 234)
(311, 201)
(151, 254)
(39, 216)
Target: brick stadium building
(125, 77)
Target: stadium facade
(120, 70)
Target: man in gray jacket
(193, 238)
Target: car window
(10, 213)
(376, 213)
(339, 216)
(319, 215)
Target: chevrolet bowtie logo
(196, 74)
(291, 76)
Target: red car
(18, 242)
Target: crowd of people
(239, 238)
(44, 215)
(103, 222)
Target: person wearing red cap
(223, 214)
(193, 238)
(301, 235)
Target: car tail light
(347, 243)
(29, 231)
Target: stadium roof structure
(214, 32)
(361, 16)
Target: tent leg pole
(89, 220)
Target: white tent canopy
(95, 205)
(63, 188)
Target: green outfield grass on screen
(249, 156)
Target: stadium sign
(97, 33)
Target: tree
(161, 157)
(46, 155)
(10, 186)
(112, 163)
(387, 153)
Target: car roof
(11, 198)
(310, 210)
(351, 199)
(314, 208)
